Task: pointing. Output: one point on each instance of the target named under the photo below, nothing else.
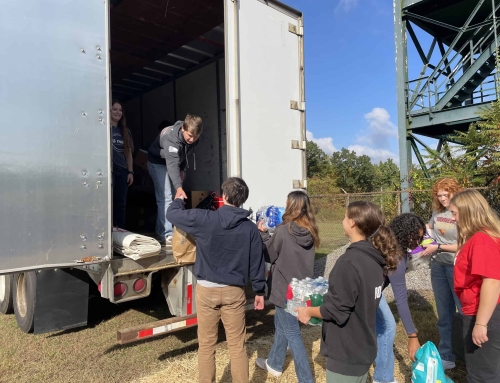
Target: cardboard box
(195, 197)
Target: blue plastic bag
(428, 367)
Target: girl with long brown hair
(291, 253)
(477, 283)
(123, 168)
(355, 285)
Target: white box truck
(239, 64)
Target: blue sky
(350, 75)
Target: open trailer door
(54, 158)
(265, 98)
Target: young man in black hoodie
(228, 255)
(167, 161)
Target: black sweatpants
(483, 363)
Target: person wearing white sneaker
(443, 255)
(291, 252)
(477, 283)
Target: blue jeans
(163, 194)
(287, 334)
(385, 326)
(120, 190)
(447, 304)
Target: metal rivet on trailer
(100, 112)
(99, 173)
(85, 173)
(100, 246)
(83, 114)
(83, 247)
(98, 57)
(85, 183)
(82, 50)
(101, 120)
(97, 184)
(98, 48)
(101, 236)
(83, 237)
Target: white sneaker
(168, 239)
(447, 365)
(262, 363)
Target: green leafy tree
(354, 173)
(387, 175)
(318, 164)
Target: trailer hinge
(298, 105)
(296, 144)
(299, 184)
(299, 31)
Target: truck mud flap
(61, 302)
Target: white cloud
(380, 129)
(376, 155)
(346, 5)
(325, 143)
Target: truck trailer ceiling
(154, 42)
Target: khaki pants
(228, 304)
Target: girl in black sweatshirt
(349, 341)
(291, 252)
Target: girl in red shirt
(477, 283)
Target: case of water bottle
(306, 293)
(271, 215)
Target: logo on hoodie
(378, 292)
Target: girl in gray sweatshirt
(291, 253)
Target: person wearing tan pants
(228, 304)
(228, 255)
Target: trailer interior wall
(195, 93)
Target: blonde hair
(193, 124)
(474, 215)
(450, 185)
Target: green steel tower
(456, 43)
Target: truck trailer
(239, 64)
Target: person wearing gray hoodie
(167, 161)
(291, 253)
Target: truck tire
(24, 300)
(6, 304)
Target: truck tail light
(120, 289)
(139, 285)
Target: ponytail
(385, 241)
(370, 221)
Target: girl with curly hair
(443, 253)
(349, 340)
(408, 230)
(477, 284)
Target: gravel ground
(415, 280)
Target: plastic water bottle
(316, 301)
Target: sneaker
(262, 363)
(447, 365)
